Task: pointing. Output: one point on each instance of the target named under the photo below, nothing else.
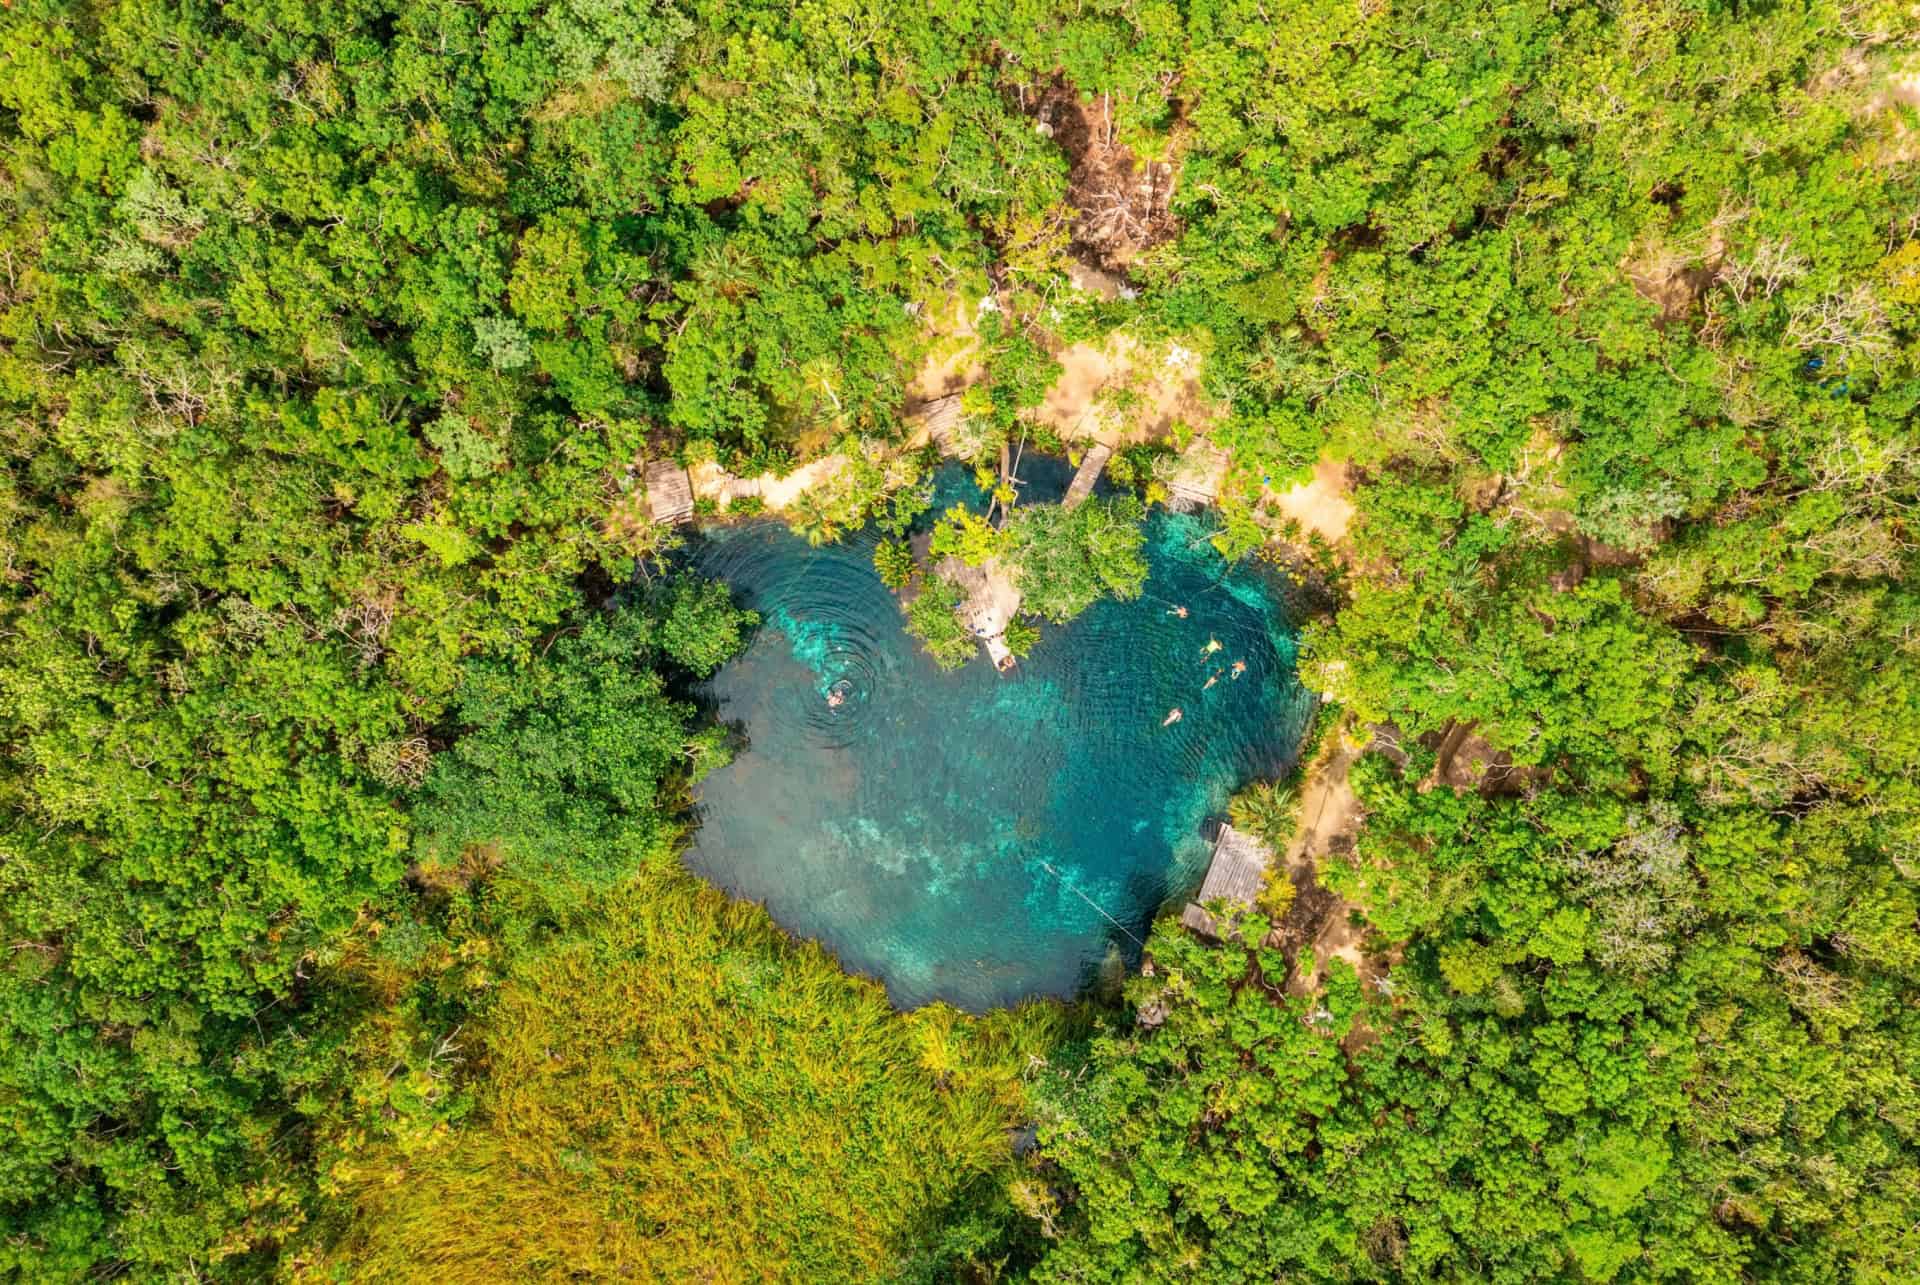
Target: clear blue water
(971, 837)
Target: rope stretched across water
(1068, 885)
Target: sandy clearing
(710, 481)
(1330, 817)
(1320, 506)
(1092, 280)
(1161, 383)
(1088, 369)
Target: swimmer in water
(1173, 716)
(1239, 668)
(836, 698)
(1213, 645)
(1177, 610)
(1211, 681)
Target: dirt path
(711, 482)
(1330, 816)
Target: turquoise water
(971, 837)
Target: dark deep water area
(968, 836)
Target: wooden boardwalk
(1090, 465)
(669, 492)
(1234, 876)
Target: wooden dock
(1090, 465)
(669, 492)
(1234, 875)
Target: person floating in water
(1177, 610)
(1213, 645)
(1211, 681)
(1239, 668)
(1173, 716)
(836, 698)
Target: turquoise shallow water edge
(971, 837)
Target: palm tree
(1266, 810)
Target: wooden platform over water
(1089, 472)
(669, 492)
(1239, 863)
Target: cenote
(973, 837)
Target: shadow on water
(970, 837)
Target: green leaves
(328, 341)
(549, 286)
(568, 763)
(502, 342)
(933, 616)
(893, 562)
(965, 535)
(699, 628)
(1066, 560)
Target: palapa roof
(1239, 864)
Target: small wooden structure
(1090, 465)
(941, 417)
(1239, 863)
(669, 492)
(992, 601)
(1196, 481)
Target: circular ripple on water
(829, 613)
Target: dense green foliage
(675, 1090)
(933, 616)
(1061, 561)
(329, 338)
(562, 762)
(332, 339)
(1613, 308)
(1065, 560)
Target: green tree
(893, 560)
(933, 616)
(1066, 560)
